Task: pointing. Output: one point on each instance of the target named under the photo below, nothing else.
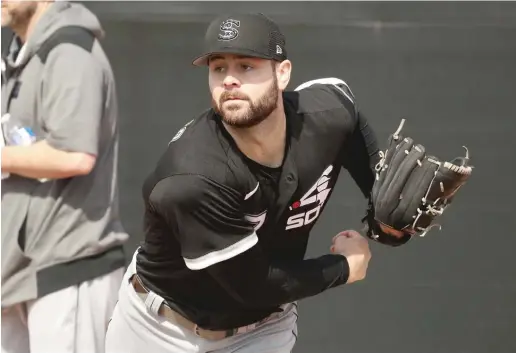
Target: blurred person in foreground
(62, 239)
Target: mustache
(227, 95)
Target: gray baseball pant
(71, 320)
(136, 328)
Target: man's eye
(246, 67)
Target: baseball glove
(413, 188)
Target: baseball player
(62, 239)
(231, 203)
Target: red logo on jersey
(316, 196)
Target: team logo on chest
(316, 197)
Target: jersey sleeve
(73, 100)
(360, 152)
(205, 218)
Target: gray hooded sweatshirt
(59, 233)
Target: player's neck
(265, 142)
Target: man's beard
(255, 113)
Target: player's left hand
(355, 248)
(412, 187)
(346, 233)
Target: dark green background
(447, 67)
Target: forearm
(40, 160)
(268, 285)
(307, 278)
(361, 154)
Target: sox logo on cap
(229, 29)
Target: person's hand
(355, 248)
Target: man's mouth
(234, 100)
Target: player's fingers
(350, 234)
(334, 239)
(346, 233)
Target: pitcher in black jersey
(231, 203)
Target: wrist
(354, 264)
(346, 271)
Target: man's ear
(283, 70)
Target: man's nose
(231, 81)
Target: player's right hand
(355, 248)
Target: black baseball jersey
(225, 237)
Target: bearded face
(244, 90)
(239, 110)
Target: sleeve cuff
(336, 271)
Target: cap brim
(203, 59)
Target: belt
(172, 316)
